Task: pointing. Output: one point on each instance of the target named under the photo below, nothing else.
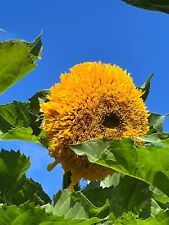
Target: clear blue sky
(76, 31)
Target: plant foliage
(136, 193)
(17, 58)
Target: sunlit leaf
(75, 205)
(23, 134)
(162, 201)
(17, 58)
(162, 218)
(148, 163)
(159, 197)
(111, 180)
(30, 215)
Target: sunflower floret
(93, 100)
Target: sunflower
(91, 101)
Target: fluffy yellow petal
(91, 101)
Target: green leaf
(18, 121)
(147, 163)
(98, 195)
(157, 5)
(161, 198)
(75, 205)
(162, 201)
(13, 166)
(13, 115)
(31, 191)
(36, 115)
(162, 218)
(15, 188)
(156, 122)
(35, 48)
(17, 58)
(146, 88)
(30, 215)
(36, 99)
(154, 208)
(23, 134)
(129, 195)
(22, 121)
(161, 139)
(111, 180)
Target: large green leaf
(157, 5)
(17, 58)
(30, 215)
(129, 195)
(148, 163)
(75, 205)
(15, 188)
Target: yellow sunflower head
(91, 101)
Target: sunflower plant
(95, 123)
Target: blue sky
(76, 31)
